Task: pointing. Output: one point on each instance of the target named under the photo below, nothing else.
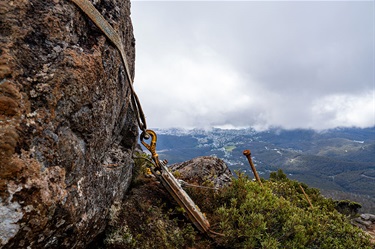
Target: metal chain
(89, 9)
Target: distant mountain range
(340, 162)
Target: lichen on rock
(67, 131)
(9, 216)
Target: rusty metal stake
(247, 153)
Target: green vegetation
(249, 216)
(278, 216)
(229, 148)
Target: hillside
(340, 162)
(241, 212)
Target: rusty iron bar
(306, 196)
(247, 153)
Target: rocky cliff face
(66, 129)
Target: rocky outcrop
(149, 217)
(203, 169)
(66, 129)
(367, 223)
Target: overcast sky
(261, 64)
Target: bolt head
(246, 152)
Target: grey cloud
(284, 60)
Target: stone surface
(66, 129)
(202, 169)
(367, 223)
(370, 217)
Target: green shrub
(278, 216)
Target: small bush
(278, 216)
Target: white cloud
(261, 64)
(191, 91)
(345, 109)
